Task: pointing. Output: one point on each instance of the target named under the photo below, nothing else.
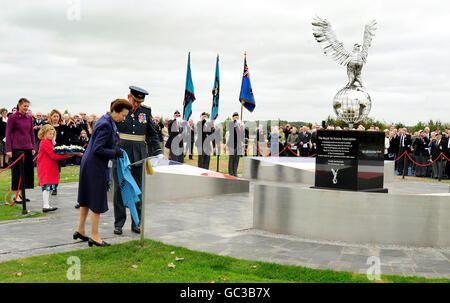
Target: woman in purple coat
(20, 140)
(94, 174)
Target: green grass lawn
(68, 174)
(131, 262)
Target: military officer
(175, 143)
(137, 137)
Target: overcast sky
(82, 65)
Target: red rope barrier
(425, 165)
(17, 194)
(12, 164)
(445, 157)
(269, 155)
(313, 155)
(287, 147)
(400, 156)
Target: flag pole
(242, 104)
(217, 146)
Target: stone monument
(350, 160)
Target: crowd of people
(70, 130)
(422, 147)
(200, 138)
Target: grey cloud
(82, 65)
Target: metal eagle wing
(325, 35)
(369, 32)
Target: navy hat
(138, 93)
(204, 114)
(235, 114)
(176, 112)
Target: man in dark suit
(38, 122)
(175, 141)
(404, 145)
(421, 154)
(304, 138)
(437, 146)
(204, 130)
(235, 144)
(394, 143)
(446, 150)
(135, 133)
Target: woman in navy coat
(94, 174)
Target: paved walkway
(220, 225)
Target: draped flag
(215, 92)
(189, 96)
(246, 96)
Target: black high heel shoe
(92, 242)
(77, 235)
(21, 199)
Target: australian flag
(246, 96)
(189, 96)
(215, 93)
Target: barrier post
(405, 165)
(25, 211)
(441, 166)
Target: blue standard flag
(246, 97)
(215, 92)
(189, 96)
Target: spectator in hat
(175, 141)
(204, 130)
(235, 144)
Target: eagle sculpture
(354, 60)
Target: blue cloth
(246, 96)
(215, 92)
(189, 96)
(129, 189)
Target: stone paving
(220, 225)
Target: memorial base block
(350, 160)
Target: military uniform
(137, 137)
(176, 133)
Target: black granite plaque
(350, 160)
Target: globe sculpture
(352, 103)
